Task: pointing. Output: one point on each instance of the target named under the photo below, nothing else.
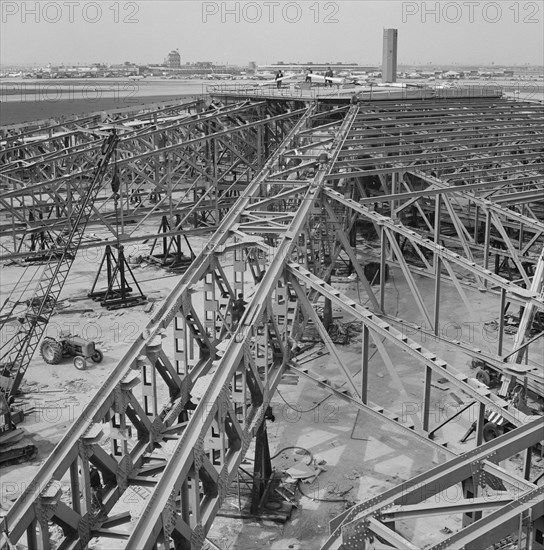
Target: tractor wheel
(491, 431)
(80, 363)
(51, 351)
(97, 356)
(483, 376)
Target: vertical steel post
(364, 364)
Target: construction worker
(279, 76)
(328, 74)
(238, 309)
(308, 77)
(96, 491)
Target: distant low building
(201, 68)
(317, 67)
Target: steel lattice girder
(200, 163)
(497, 218)
(15, 135)
(427, 137)
(413, 494)
(28, 150)
(444, 135)
(173, 482)
(442, 267)
(416, 350)
(516, 291)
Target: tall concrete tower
(389, 61)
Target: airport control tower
(389, 62)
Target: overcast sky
(81, 32)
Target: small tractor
(68, 345)
(521, 380)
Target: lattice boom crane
(17, 352)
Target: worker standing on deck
(238, 309)
(329, 74)
(279, 76)
(308, 77)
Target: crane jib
(40, 307)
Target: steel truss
(14, 133)
(187, 161)
(279, 245)
(517, 507)
(428, 183)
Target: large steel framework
(449, 188)
(183, 162)
(516, 507)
